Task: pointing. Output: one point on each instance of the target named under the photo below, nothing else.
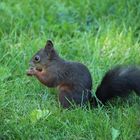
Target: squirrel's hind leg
(69, 99)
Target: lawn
(99, 34)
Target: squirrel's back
(78, 74)
(76, 85)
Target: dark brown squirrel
(72, 79)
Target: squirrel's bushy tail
(119, 81)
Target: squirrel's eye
(37, 58)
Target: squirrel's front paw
(30, 72)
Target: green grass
(100, 34)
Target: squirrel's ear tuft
(49, 44)
(49, 49)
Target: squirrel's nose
(31, 64)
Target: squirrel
(74, 81)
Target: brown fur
(72, 79)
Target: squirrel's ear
(49, 44)
(49, 49)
